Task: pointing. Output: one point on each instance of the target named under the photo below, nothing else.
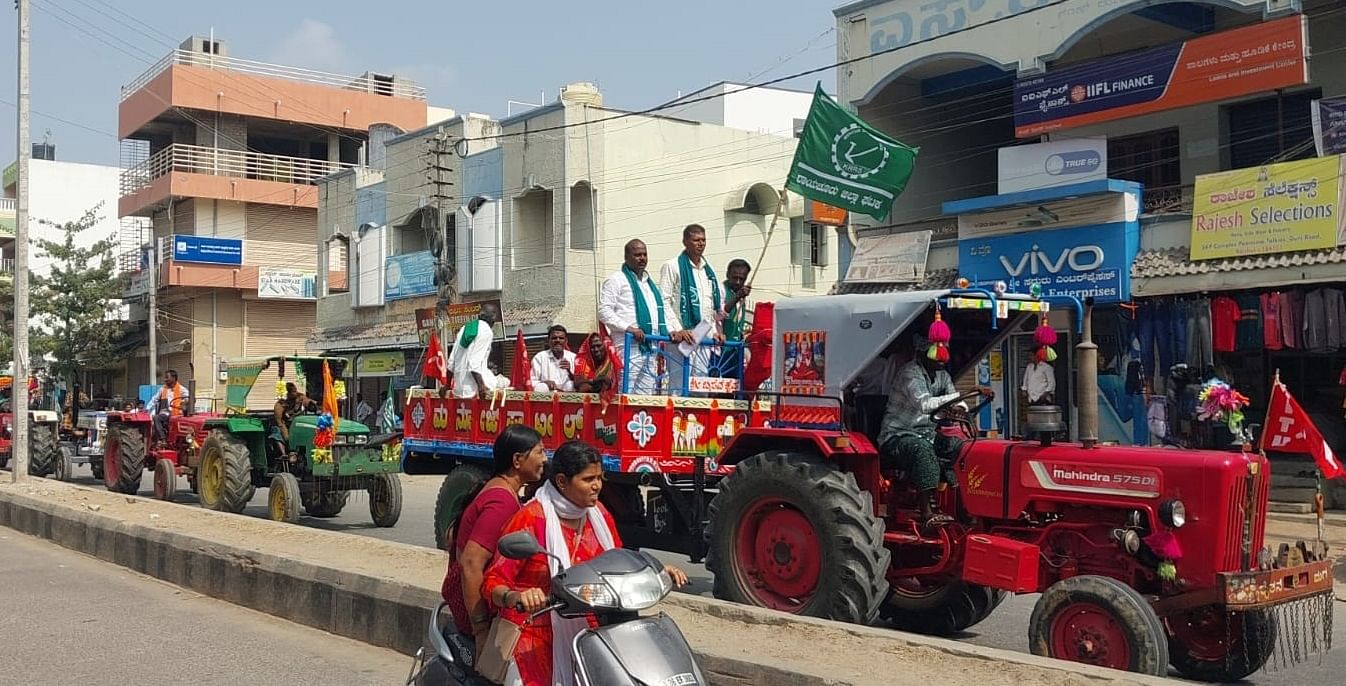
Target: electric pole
(446, 276)
(19, 393)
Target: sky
(472, 57)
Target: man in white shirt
(692, 295)
(362, 409)
(1039, 383)
(630, 302)
(554, 368)
(469, 360)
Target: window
(582, 216)
(532, 231)
(1275, 129)
(808, 243)
(1152, 159)
(818, 245)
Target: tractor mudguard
(828, 444)
(237, 425)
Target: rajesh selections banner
(1253, 59)
(1277, 208)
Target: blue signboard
(409, 275)
(1089, 261)
(207, 250)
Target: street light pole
(19, 447)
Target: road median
(379, 592)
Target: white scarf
(556, 507)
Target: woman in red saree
(567, 519)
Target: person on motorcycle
(567, 519)
(518, 460)
(908, 439)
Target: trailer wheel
(325, 505)
(43, 449)
(385, 500)
(1212, 644)
(225, 474)
(939, 609)
(283, 498)
(791, 532)
(124, 459)
(461, 482)
(1100, 621)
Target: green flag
(844, 162)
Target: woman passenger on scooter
(519, 460)
(567, 519)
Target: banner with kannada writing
(1272, 209)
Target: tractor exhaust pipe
(1086, 384)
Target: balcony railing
(6, 265)
(370, 83)
(195, 159)
(7, 204)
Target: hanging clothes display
(1224, 317)
(1271, 321)
(1324, 320)
(1248, 331)
(1291, 318)
(1200, 351)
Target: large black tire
(43, 449)
(124, 459)
(325, 505)
(1101, 621)
(941, 611)
(1211, 644)
(814, 510)
(283, 498)
(385, 500)
(461, 482)
(225, 476)
(65, 463)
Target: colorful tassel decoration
(1045, 337)
(1164, 544)
(280, 389)
(939, 335)
(1167, 571)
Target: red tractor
(1144, 557)
(130, 448)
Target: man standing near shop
(170, 401)
(553, 369)
(692, 292)
(469, 362)
(630, 302)
(1039, 384)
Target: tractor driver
(293, 404)
(908, 439)
(170, 401)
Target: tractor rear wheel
(124, 459)
(283, 499)
(325, 505)
(385, 500)
(939, 609)
(43, 449)
(225, 475)
(1212, 644)
(1100, 621)
(165, 480)
(461, 482)
(791, 532)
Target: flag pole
(780, 207)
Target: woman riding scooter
(567, 519)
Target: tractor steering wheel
(946, 411)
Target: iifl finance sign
(1272, 209)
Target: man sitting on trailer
(908, 440)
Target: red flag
(518, 376)
(436, 362)
(1289, 430)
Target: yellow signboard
(381, 364)
(1277, 208)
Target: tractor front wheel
(458, 484)
(385, 500)
(1213, 644)
(225, 475)
(43, 449)
(124, 459)
(791, 532)
(65, 463)
(1100, 621)
(284, 498)
(165, 480)
(325, 505)
(939, 609)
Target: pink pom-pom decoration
(1164, 544)
(1045, 337)
(939, 335)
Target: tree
(77, 303)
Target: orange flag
(329, 399)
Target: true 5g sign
(1090, 261)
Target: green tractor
(323, 461)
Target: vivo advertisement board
(207, 250)
(1057, 163)
(1090, 261)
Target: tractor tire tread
(43, 449)
(130, 459)
(236, 487)
(1151, 653)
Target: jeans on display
(1200, 351)
(1155, 324)
(1140, 431)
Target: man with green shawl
(630, 302)
(691, 291)
(469, 362)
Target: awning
(385, 336)
(1170, 272)
(935, 279)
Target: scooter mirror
(519, 545)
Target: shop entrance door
(1021, 351)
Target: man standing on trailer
(691, 291)
(630, 302)
(469, 362)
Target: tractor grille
(1245, 528)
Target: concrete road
(66, 618)
(1006, 628)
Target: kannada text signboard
(1272, 209)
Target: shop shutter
(274, 328)
(282, 237)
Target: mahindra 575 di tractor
(1145, 558)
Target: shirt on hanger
(1271, 324)
(1224, 316)
(1248, 331)
(1324, 320)
(1290, 319)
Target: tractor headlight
(359, 439)
(1173, 513)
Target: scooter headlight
(636, 591)
(1173, 513)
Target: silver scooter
(625, 650)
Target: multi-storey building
(223, 155)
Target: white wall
(62, 192)
(759, 110)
